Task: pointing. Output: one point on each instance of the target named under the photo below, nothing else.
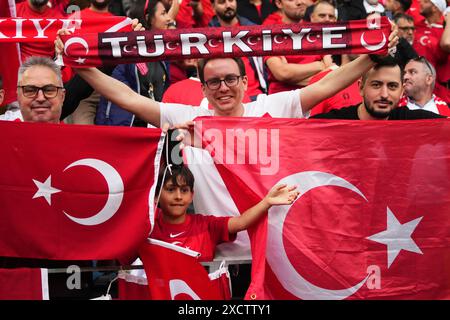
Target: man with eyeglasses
(419, 81)
(381, 89)
(40, 90)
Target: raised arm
(122, 95)
(116, 91)
(278, 195)
(334, 82)
(293, 73)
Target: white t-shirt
(211, 195)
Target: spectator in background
(406, 29)
(418, 81)
(427, 43)
(10, 111)
(148, 79)
(194, 14)
(360, 9)
(324, 12)
(226, 16)
(294, 71)
(255, 10)
(394, 7)
(37, 9)
(85, 113)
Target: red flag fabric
(9, 59)
(76, 192)
(24, 284)
(371, 221)
(174, 273)
(133, 286)
(44, 30)
(84, 50)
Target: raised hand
(281, 194)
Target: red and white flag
(10, 57)
(24, 284)
(76, 192)
(371, 221)
(174, 273)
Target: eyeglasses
(230, 80)
(50, 91)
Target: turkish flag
(76, 192)
(371, 221)
(9, 59)
(174, 273)
(24, 284)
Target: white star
(45, 189)
(80, 60)
(397, 237)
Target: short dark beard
(376, 114)
(39, 3)
(100, 6)
(227, 18)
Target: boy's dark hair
(178, 171)
(202, 63)
(1, 82)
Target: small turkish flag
(76, 192)
(174, 273)
(371, 221)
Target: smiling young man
(381, 89)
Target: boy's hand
(281, 194)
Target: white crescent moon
(276, 41)
(373, 47)
(76, 40)
(422, 39)
(125, 49)
(250, 42)
(276, 255)
(210, 43)
(115, 191)
(170, 47)
(309, 39)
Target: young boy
(199, 232)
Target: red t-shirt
(198, 232)
(185, 18)
(273, 18)
(344, 98)
(43, 49)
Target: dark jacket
(152, 84)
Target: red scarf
(85, 50)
